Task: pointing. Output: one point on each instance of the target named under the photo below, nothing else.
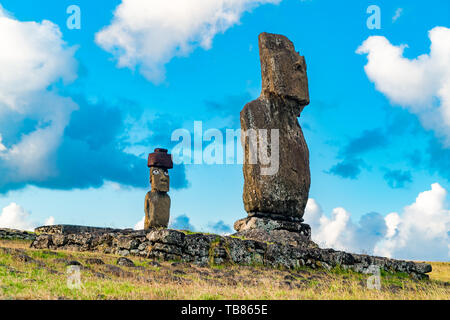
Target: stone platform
(207, 249)
(288, 232)
(68, 229)
(13, 234)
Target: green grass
(188, 232)
(47, 279)
(45, 255)
(211, 297)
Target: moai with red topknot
(157, 201)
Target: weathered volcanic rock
(13, 234)
(265, 224)
(209, 249)
(70, 229)
(283, 97)
(258, 228)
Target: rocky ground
(27, 273)
(210, 249)
(6, 234)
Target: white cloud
(32, 157)
(140, 224)
(421, 85)
(149, 34)
(421, 232)
(397, 15)
(115, 186)
(14, 216)
(392, 222)
(50, 221)
(2, 147)
(340, 232)
(33, 57)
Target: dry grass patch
(43, 276)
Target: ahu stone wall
(67, 228)
(13, 234)
(208, 249)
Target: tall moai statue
(277, 200)
(157, 201)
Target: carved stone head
(159, 162)
(159, 179)
(283, 70)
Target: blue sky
(372, 150)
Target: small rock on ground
(94, 261)
(125, 262)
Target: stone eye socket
(298, 67)
(166, 173)
(155, 172)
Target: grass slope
(41, 274)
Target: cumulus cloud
(422, 84)
(31, 158)
(50, 221)
(140, 224)
(148, 34)
(14, 216)
(340, 232)
(33, 57)
(2, 147)
(420, 232)
(92, 151)
(52, 141)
